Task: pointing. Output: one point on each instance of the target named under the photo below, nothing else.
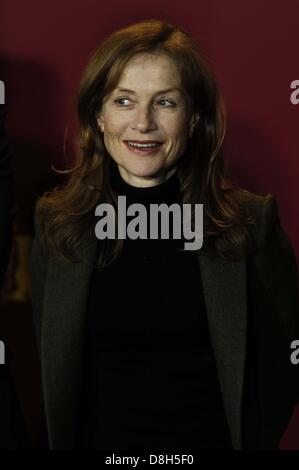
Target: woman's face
(145, 121)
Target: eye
(120, 101)
(167, 103)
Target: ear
(195, 118)
(100, 122)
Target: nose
(144, 119)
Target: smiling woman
(150, 109)
(161, 116)
(140, 87)
(145, 344)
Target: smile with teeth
(135, 144)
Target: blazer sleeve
(274, 315)
(38, 271)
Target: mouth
(142, 147)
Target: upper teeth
(143, 145)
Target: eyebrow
(161, 92)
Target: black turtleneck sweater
(150, 378)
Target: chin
(143, 170)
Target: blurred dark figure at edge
(12, 427)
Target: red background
(44, 45)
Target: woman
(145, 345)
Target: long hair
(67, 212)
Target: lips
(142, 147)
(144, 142)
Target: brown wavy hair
(67, 212)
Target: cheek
(115, 125)
(175, 127)
(176, 130)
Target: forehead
(146, 71)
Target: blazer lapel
(62, 345)
(224, 286)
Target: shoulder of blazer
(275, 256)
(264, 210)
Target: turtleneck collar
(167, 191)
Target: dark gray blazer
(253, 314)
